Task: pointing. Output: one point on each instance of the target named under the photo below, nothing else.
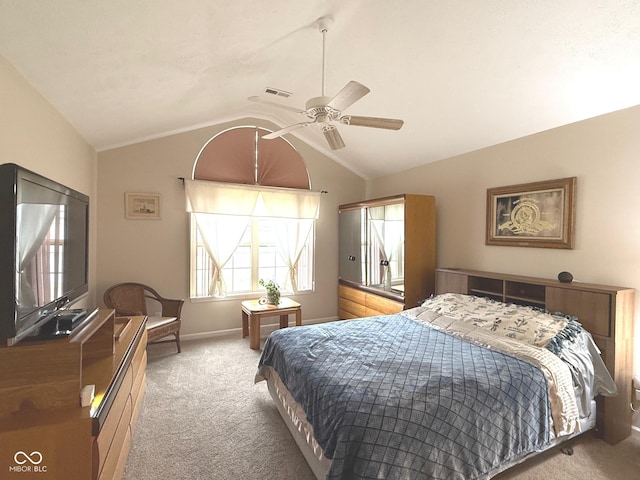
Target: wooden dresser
(605, 311)
(44, 430)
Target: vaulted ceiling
(462, 74)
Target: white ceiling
(463, 74)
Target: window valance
(249, 200)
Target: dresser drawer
(137, 390)
(357, 296)
(354, 309)
(138, 371)
(354, 303)
(136, 401)
(140, 354)
(382, 305)
(114, 459)
(119, 414)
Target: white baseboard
(635, 431)
(265, 330)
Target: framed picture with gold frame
(142, 206)
(540, 214)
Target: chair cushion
(155, 322)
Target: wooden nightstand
(253, 311)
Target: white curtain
(223, 211)
(382, 250)
(291, 236)
(34, 222)
(221, 235)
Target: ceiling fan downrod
(323, 25)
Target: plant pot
(273, 298)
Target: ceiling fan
(325, 110)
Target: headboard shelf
(605, 311)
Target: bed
(460, 387)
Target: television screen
(45, 226)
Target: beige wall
(156, 252)
(34, 135)
(603, 153)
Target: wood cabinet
(605, 311)
(387, 252)
(355, 303)
(40, 407)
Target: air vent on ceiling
(277, 93)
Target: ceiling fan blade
(285, 130)
(374, 122)
(275, 104)
(351, 93)
(333, 137)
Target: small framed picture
(540, 214)
(144, 206)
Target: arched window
(240, 155)
(253, 216)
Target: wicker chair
(131, 299)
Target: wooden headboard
(605, 311)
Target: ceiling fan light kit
(323, 109)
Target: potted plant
(273, 291)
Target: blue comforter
(390, 397)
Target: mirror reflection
(372, 247)
(386, 247)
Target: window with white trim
(256, 257)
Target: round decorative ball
(565, 277)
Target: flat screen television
(43, 250)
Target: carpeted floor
(204, 418)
